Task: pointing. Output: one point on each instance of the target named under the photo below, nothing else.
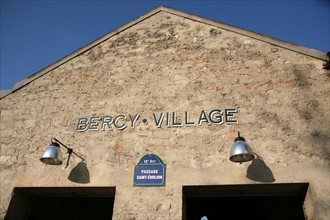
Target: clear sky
(35, 34)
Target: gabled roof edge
(83, 49)
(286, 45)
(271, 40)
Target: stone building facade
(180, 87)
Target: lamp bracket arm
(60, 143)
(70, 150)
(79, 156)
(258, 156)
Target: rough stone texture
(171, 64)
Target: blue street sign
(150, 171)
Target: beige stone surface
(168, 63)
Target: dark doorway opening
(260, 201)
(39, 203)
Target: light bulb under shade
(241, 152)
(52, 155)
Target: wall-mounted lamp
(53, 155)
(240, 151)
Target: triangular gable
(260, 37)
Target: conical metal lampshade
(240, 151)
(52, 155)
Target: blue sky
(35, 34)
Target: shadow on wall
(259, 171)
(80, 174)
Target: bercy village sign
(162, 119)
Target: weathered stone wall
(167, 63)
